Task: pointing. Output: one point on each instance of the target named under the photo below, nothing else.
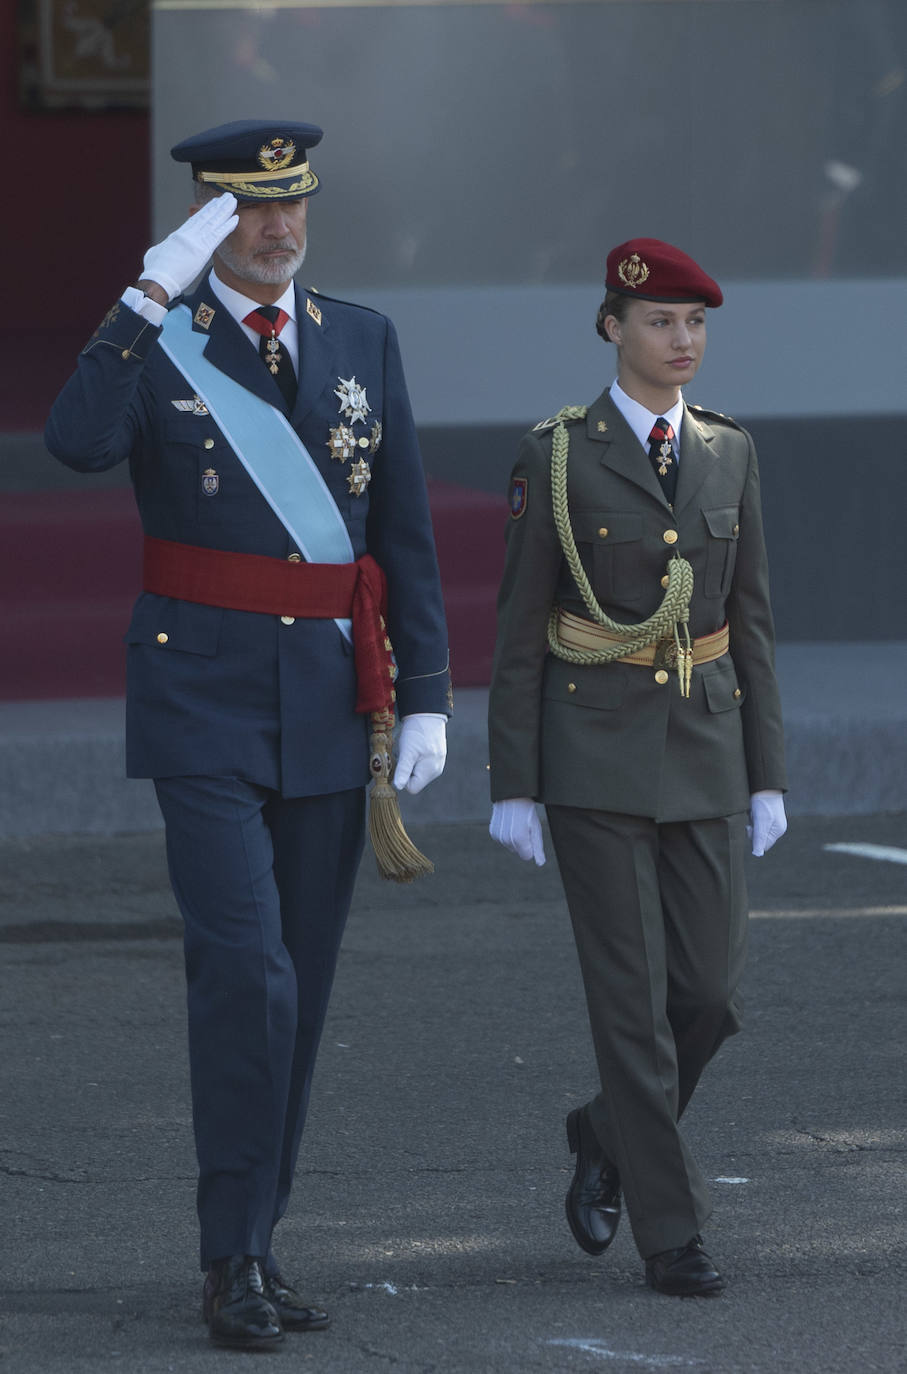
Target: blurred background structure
(479, 159)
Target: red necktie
(268, 321)
(661, 452)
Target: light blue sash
(268, 447)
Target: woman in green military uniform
(634, 695)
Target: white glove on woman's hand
(175, 263)
(421, 751)
(515, 824)
(768, 821)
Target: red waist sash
(275, 586)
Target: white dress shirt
(641, 420)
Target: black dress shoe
(294, 1314)
(684, 1273)
(593, 1198)
(235, 1307)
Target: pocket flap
(606, 526)
(722, 691)
(723, 523)
(169, 625)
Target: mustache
(283, 246)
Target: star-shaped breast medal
(353, 403)
(358, 477)
(342, 443)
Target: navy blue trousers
(264, 885)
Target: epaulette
(338, 300)
(718, 415)
(556, 419)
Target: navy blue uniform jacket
(238, 693)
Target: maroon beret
(656, 271)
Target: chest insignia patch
(360, 474)
(519, 497)
(312, 309)
(342, 443)
(353, 403)
(204, 315)
(194, 407)
(210, 482)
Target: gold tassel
(397, 856)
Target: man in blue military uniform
(288, 545)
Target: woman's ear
(612, 328)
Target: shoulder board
(565, 415)
(351, 305)
(705, 414)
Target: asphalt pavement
(428, 1213)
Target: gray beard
(258, 270)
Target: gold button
(363, 442)
(670, 536)
(288, 620)
(603, 532)
(737, 693)
(125, 353)
(209, 443)
(736, 530)
(294, 557)
(665, 580)
(571, 686)
(162, 638)
(661, 677)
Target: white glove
(768, 821)
(515, 824)
(421, 751)
(175, 263)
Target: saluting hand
(177, 261)
(515, 824)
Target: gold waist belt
(574, 632)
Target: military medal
(375, 437)
(342, 443)
(358, 478)
(666, 454)
(353, 403)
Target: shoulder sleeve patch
(518, 499)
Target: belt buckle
(665, 654)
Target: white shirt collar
(239, 305)
(641, 420)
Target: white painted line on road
(596, 1347)
(388, 1287)
(730, 1180)
(887, 852)
(792, 913)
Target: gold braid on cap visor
(252, 183)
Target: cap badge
(276, 154)
(360, 474)
(342, 443)
(353, 403)
(632, 271)
(210, 482)
(203, 315)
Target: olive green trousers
(659, 915)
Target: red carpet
(70, 569)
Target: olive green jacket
(612, 737)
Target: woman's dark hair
(615, 303)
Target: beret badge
(276, 154)
(632, 271)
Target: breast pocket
(205, 466)
(610, 544)
(723, 525)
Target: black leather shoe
(593, 1198)
(235, 1307)
(684, 1273)
(294, 1314)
